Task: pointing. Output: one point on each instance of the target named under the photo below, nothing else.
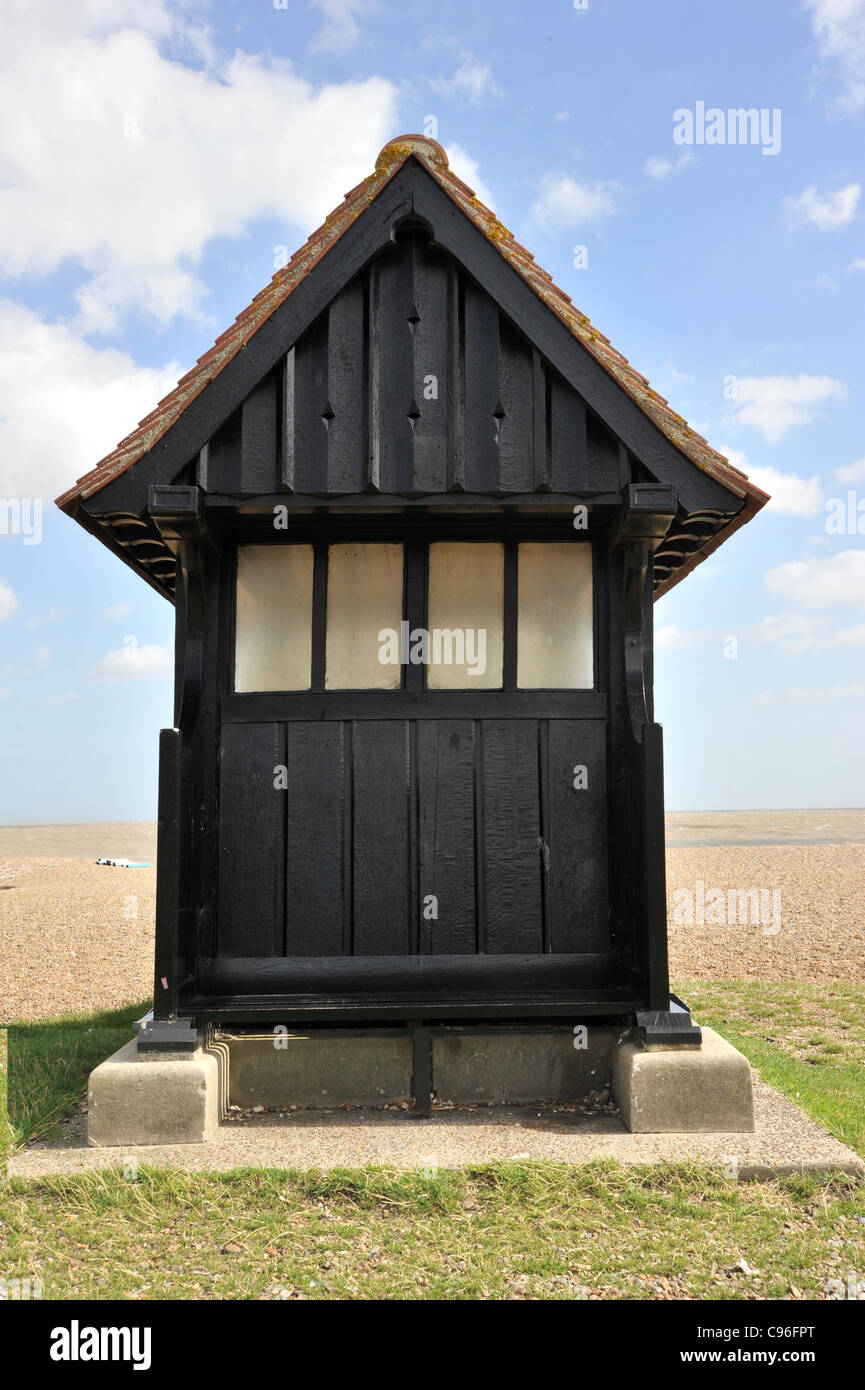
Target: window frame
(415, 542)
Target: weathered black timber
(413, 260)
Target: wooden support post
(168, 849)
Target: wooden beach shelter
(412, 430)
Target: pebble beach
(76, 937)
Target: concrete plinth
(320, 1070)
(684, 1090)
(505, 1068)
(156, 1097)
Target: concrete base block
(156, 1097)
(317, 1071)
(684, 1090)
(513, 1068)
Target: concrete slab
(784, 1140)
(151, 1098)
(694, 1090)
(508, 1068)
(318, 1070)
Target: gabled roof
(433, 158)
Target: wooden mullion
(509, 675)
(319, 615)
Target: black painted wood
(446, 836)
(315, 823)
(168, 967)
(381, 853)
(576, 837)
(511, 836)
(258, 436)
(251, 913)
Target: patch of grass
(50, 1061)
(501, 1231)
(808, 1041)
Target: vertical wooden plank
(258, 462)
(310, 404)
(381, 854)
(314, 839)
(511, 836)
(481, 390)
(396, 383)
(223, 457)
(654, 884)
(456, 381)
(446, 833)
(540, 424)
(288, 410)
(577, 837)
(567, 443)
(346, 391)
(431, 394)
(168, 895)
(251, 842)
(516, 393)
(602, 457)
(373, 386)
(201, 467)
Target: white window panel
(465, 614)
(555, 616)
(273, 629)
(364, 597)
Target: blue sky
(153, 161)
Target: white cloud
(129, 163)
(132, 662)
(790, 494)
(5, 694)
(851, 472)
(839, 27)
(52, 616)
(115, 611)
(472, 82)
(857, 265)
(562, 202)
(8, 601)
(828, 211)
(821, 582)
(775, 404)
(339, 31)
(794, 633)
(467, 169)
(660, 168)
(42, 658)
(48, 438)
(62, 699)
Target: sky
(159, 161)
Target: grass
(808, 1041)
(50, 1061)
(527, 1229)
(500, 1231)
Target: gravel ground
(76, 937)
(784, 1141)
